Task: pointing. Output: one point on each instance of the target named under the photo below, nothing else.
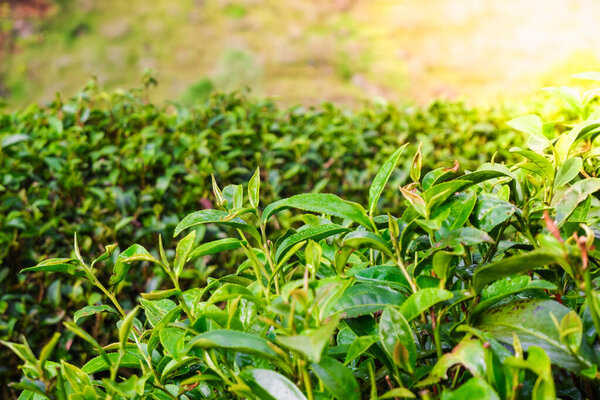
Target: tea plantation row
(416, 292)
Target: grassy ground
(307, 51)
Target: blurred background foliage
(305, 52)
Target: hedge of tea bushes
(481, 284)
(114, 167)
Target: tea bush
(474, 284)
(114, 167)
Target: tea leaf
(99, 364)
(506, 287)
(366, 298)
(384, 275)
(382, 177)
(307, 233)
(216, 246)
(359, 346)
(254, 188)
(512, 265)
(329, 204)
(336, 378)
(474, 388)
(531, 321)
(538, 164)
(271, 385)
(234, 341)
(125, 328)
(568, 171)
(131, 254)
(395, 333)
(215, 217)
(468, 353)
(419, 302)
(311, 343)
(359, 239)
(68, 265)
(91, 310)
(183, 251)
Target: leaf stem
(306, 380)
(591, 299)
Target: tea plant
(483, 285)
(114, 167)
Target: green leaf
(131, 254)
(568, 171)
(456, 211)
(233, 341)
(125, 328)
(439, 193)
(474, 388)
(76, 377)
(329, 204)
(538, 164)
(397, 339)
(443, 261)
(70, 266)
(156, 310)
(337, 379)
(128, 388)
(307, 232)
(109, 250)
(91, 310)
(415, 201)
(469, 353)
(416, 165)
(170, 317)
(508, 286)
(172, 340)
(465, 236)
(48, 349)
(182, 253)
(382, 177)
(87, 337)
(22, 351)
(359, 239)
(421, 301)
(160, 294)
(216, 246)
(215, 217)
(512, 265)
(385, 275)
(270, 385)
(571, 331)
(366, 298)
(439, 175)
(254, 188)
(311, 343)
(529, 124)
(216, 192)
(532, 321)
(396, 393)
(234, 196)
(99, 364)
(56, 124)
(491, 211)
(232, 290)
(566, 203)
(13, 139)
(359, 346)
